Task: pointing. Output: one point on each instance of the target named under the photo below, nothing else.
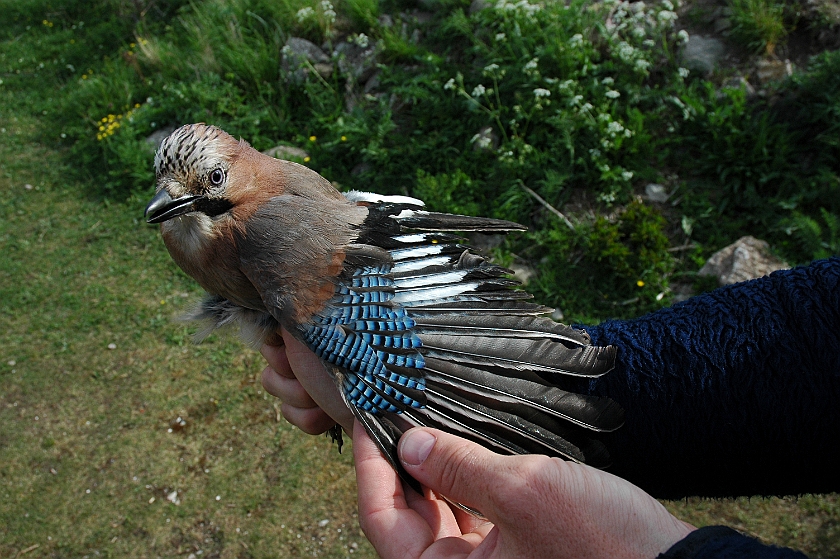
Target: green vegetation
(759, 24)
(556, 117)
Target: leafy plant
(758, 24)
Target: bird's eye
(217, 177)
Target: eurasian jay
(733, 392)
(414, 327)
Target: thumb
(456, 468)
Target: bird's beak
(163, 207)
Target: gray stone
(522, 272)
(302, 49)
(478, 5)
(769, 70)
(656, 193)
(300, 56)
(702, 54)
(358, 63)
(289, 153)
(681, 292)
(745, 259)
(154, 139)
(738, 82)
(485, 241)
(722, 24)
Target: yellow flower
(132, 45)
(640, 283)
(101, 128)
(344, 138)
(136, 105)
(312, 138)
(306, 159)
(84, 76)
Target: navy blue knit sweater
(734, 392)
(720, 542)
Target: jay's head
(207, 176)
(193, 167)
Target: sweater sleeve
(733, 392)
(720, 542)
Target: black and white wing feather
(424, 331)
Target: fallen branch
(548, 206)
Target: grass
(95, 371)
(758, 24)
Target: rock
(722, 24)
(289, 153)
(485, 241)
(772, 70)
(355, 61)
(656, 193)
(681, 292)
(154, 139)
(822, 18)
(522, 272)
(300, 56)
(478, 5)
(324, 70)
(702, 54)
(738, 82)
(297, 48)
(745, 259)
(373, 83)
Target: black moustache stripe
(212, 206)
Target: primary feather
(415, 327)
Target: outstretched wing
(423, 331)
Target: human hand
(311, 401)
(538, 506)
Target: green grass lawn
(121, 438)
(95, 374)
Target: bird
(414, 326)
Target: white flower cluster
(328, 11)
(304, 14)
(632, 23)
(361, 40)
(521, 7)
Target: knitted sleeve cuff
(721, 542)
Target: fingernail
(415, 446)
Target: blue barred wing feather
(422, 330)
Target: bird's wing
(423, 331)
